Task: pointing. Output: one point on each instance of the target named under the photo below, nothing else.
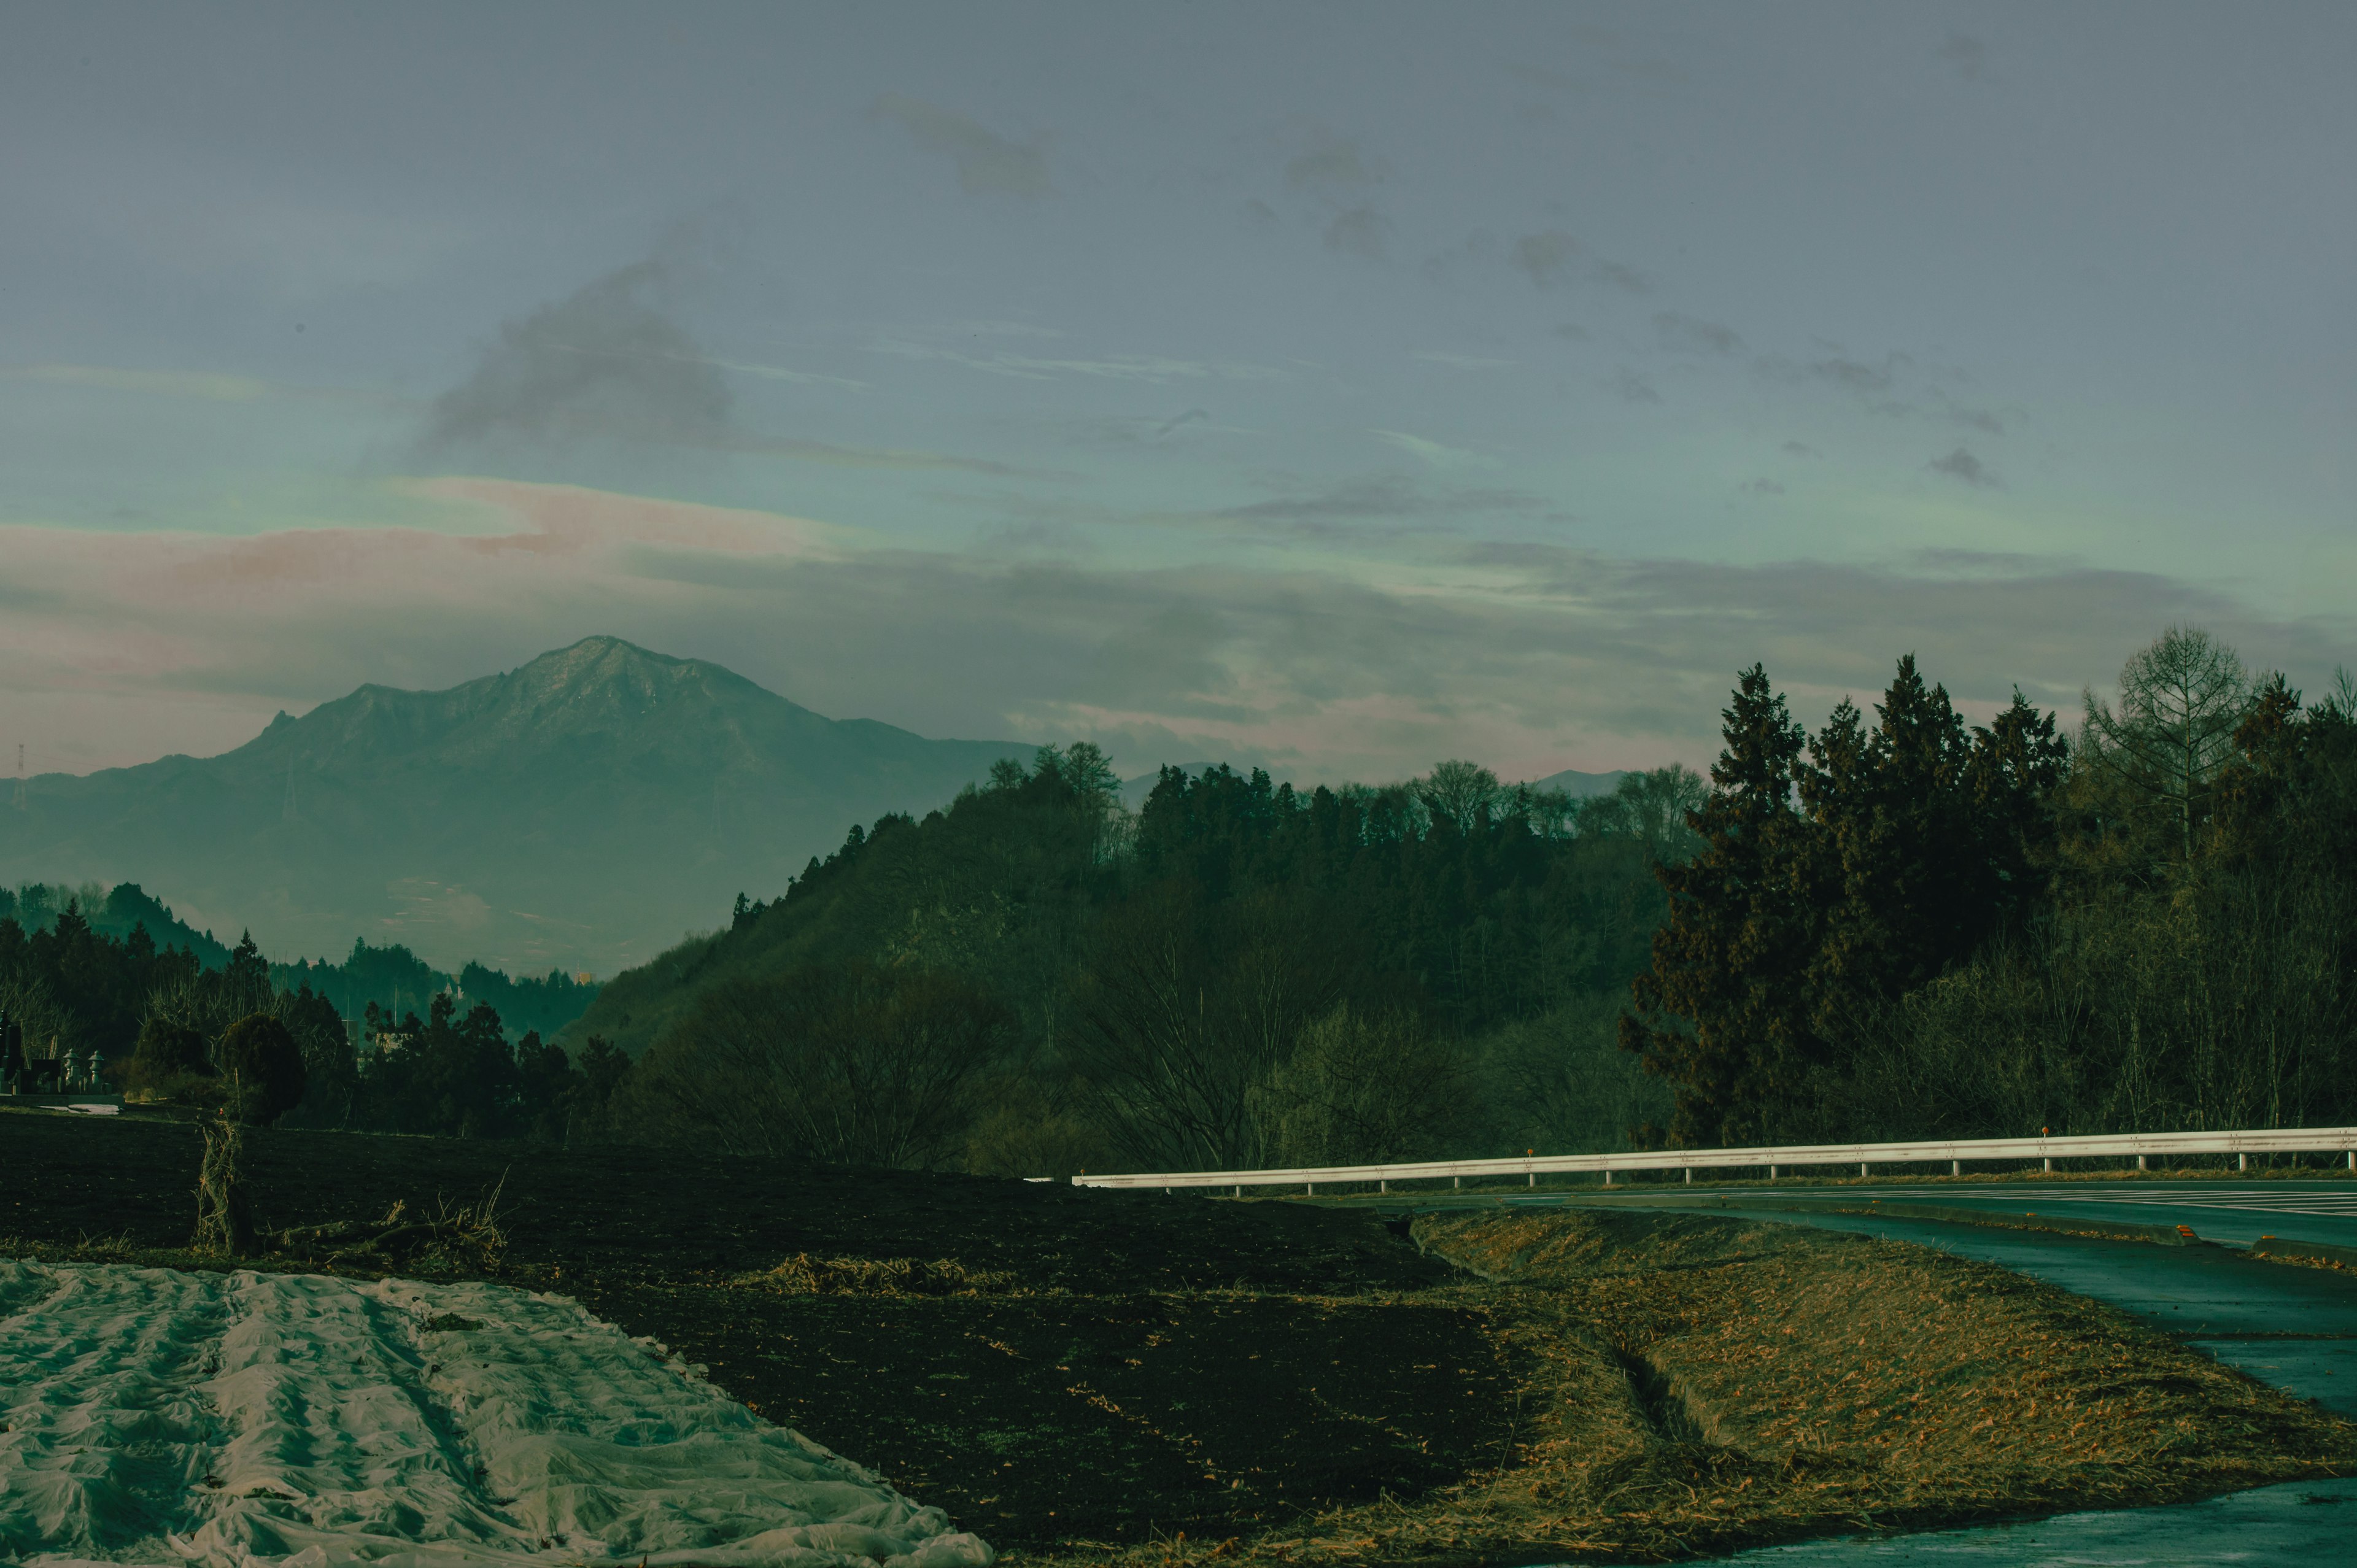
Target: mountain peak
(586, 807)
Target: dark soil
(664, 1216)
(1106, 1418)
(1153, 1364)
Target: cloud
(1761, 487)
(1334, 165)
(1630, 387)
(1546, 258)
(1966, 54)
(1345, 509)
(1522, 655)
(1461, 362)
(1434, 453)
(1552, 258)
(1799, 449)
(157, 383)
(1689, 332)
(1961, 465)
(1978, 419)
(602, 363)
(1619, 276)
(1853, 375)
(1359, 231)
(986, 161)
(1151, 368)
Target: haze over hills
(582, 811)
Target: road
(2292, 1327)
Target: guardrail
(2142, 1147)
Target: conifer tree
(1731, 960)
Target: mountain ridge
(585, 808)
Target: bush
(260, 1058)
(167, 1050)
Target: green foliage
(458, 1076)
(1165, 971)
(1925, 932)
(168, 1050)
(262, 1065)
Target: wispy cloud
(987, 162)
(1462, 361)
(1681, 332)
(1118, 367)
(1630, 386)
(1961, 465)
(1358, 230)
(1552, 258)
(1434, 453)
(1335, 163)
(1521, 654)
(604, 362)
(157, 384)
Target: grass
(1696, 1385)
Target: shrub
(261, 1059)
(168, 1049)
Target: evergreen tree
(1721, 1012)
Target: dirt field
(1140, 1379)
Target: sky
(1340, 387)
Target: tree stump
(224, 1223)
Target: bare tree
(1183, 1014)
(2181, 699)
(1365, 1088)
(1460, 793)
(851, 1066)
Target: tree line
(1035, 981)
(1911, 928)
(80, 972)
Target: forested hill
(1156, 965)
(90, 964)
(580, 812)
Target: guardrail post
(1861, 1170)
(1690, 1176)
(1382, 1186)
(1534, 1178)
(2049, 1167)
(2352, 1159)
(1771, 1173)
(1240, 1189)
(1955, 1167)
(1608, 1179)
(2242, 1161)
(1309, 1188)
(1457, 1181)
(2140, 1162)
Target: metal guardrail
(2142, 1147)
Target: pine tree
(1731, 960)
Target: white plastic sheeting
(228, 1420)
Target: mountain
(582, 811)
(1580, 786)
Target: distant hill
(1580, 786)
(582, 811)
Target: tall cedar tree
(1792, 934)
(1731, 959)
